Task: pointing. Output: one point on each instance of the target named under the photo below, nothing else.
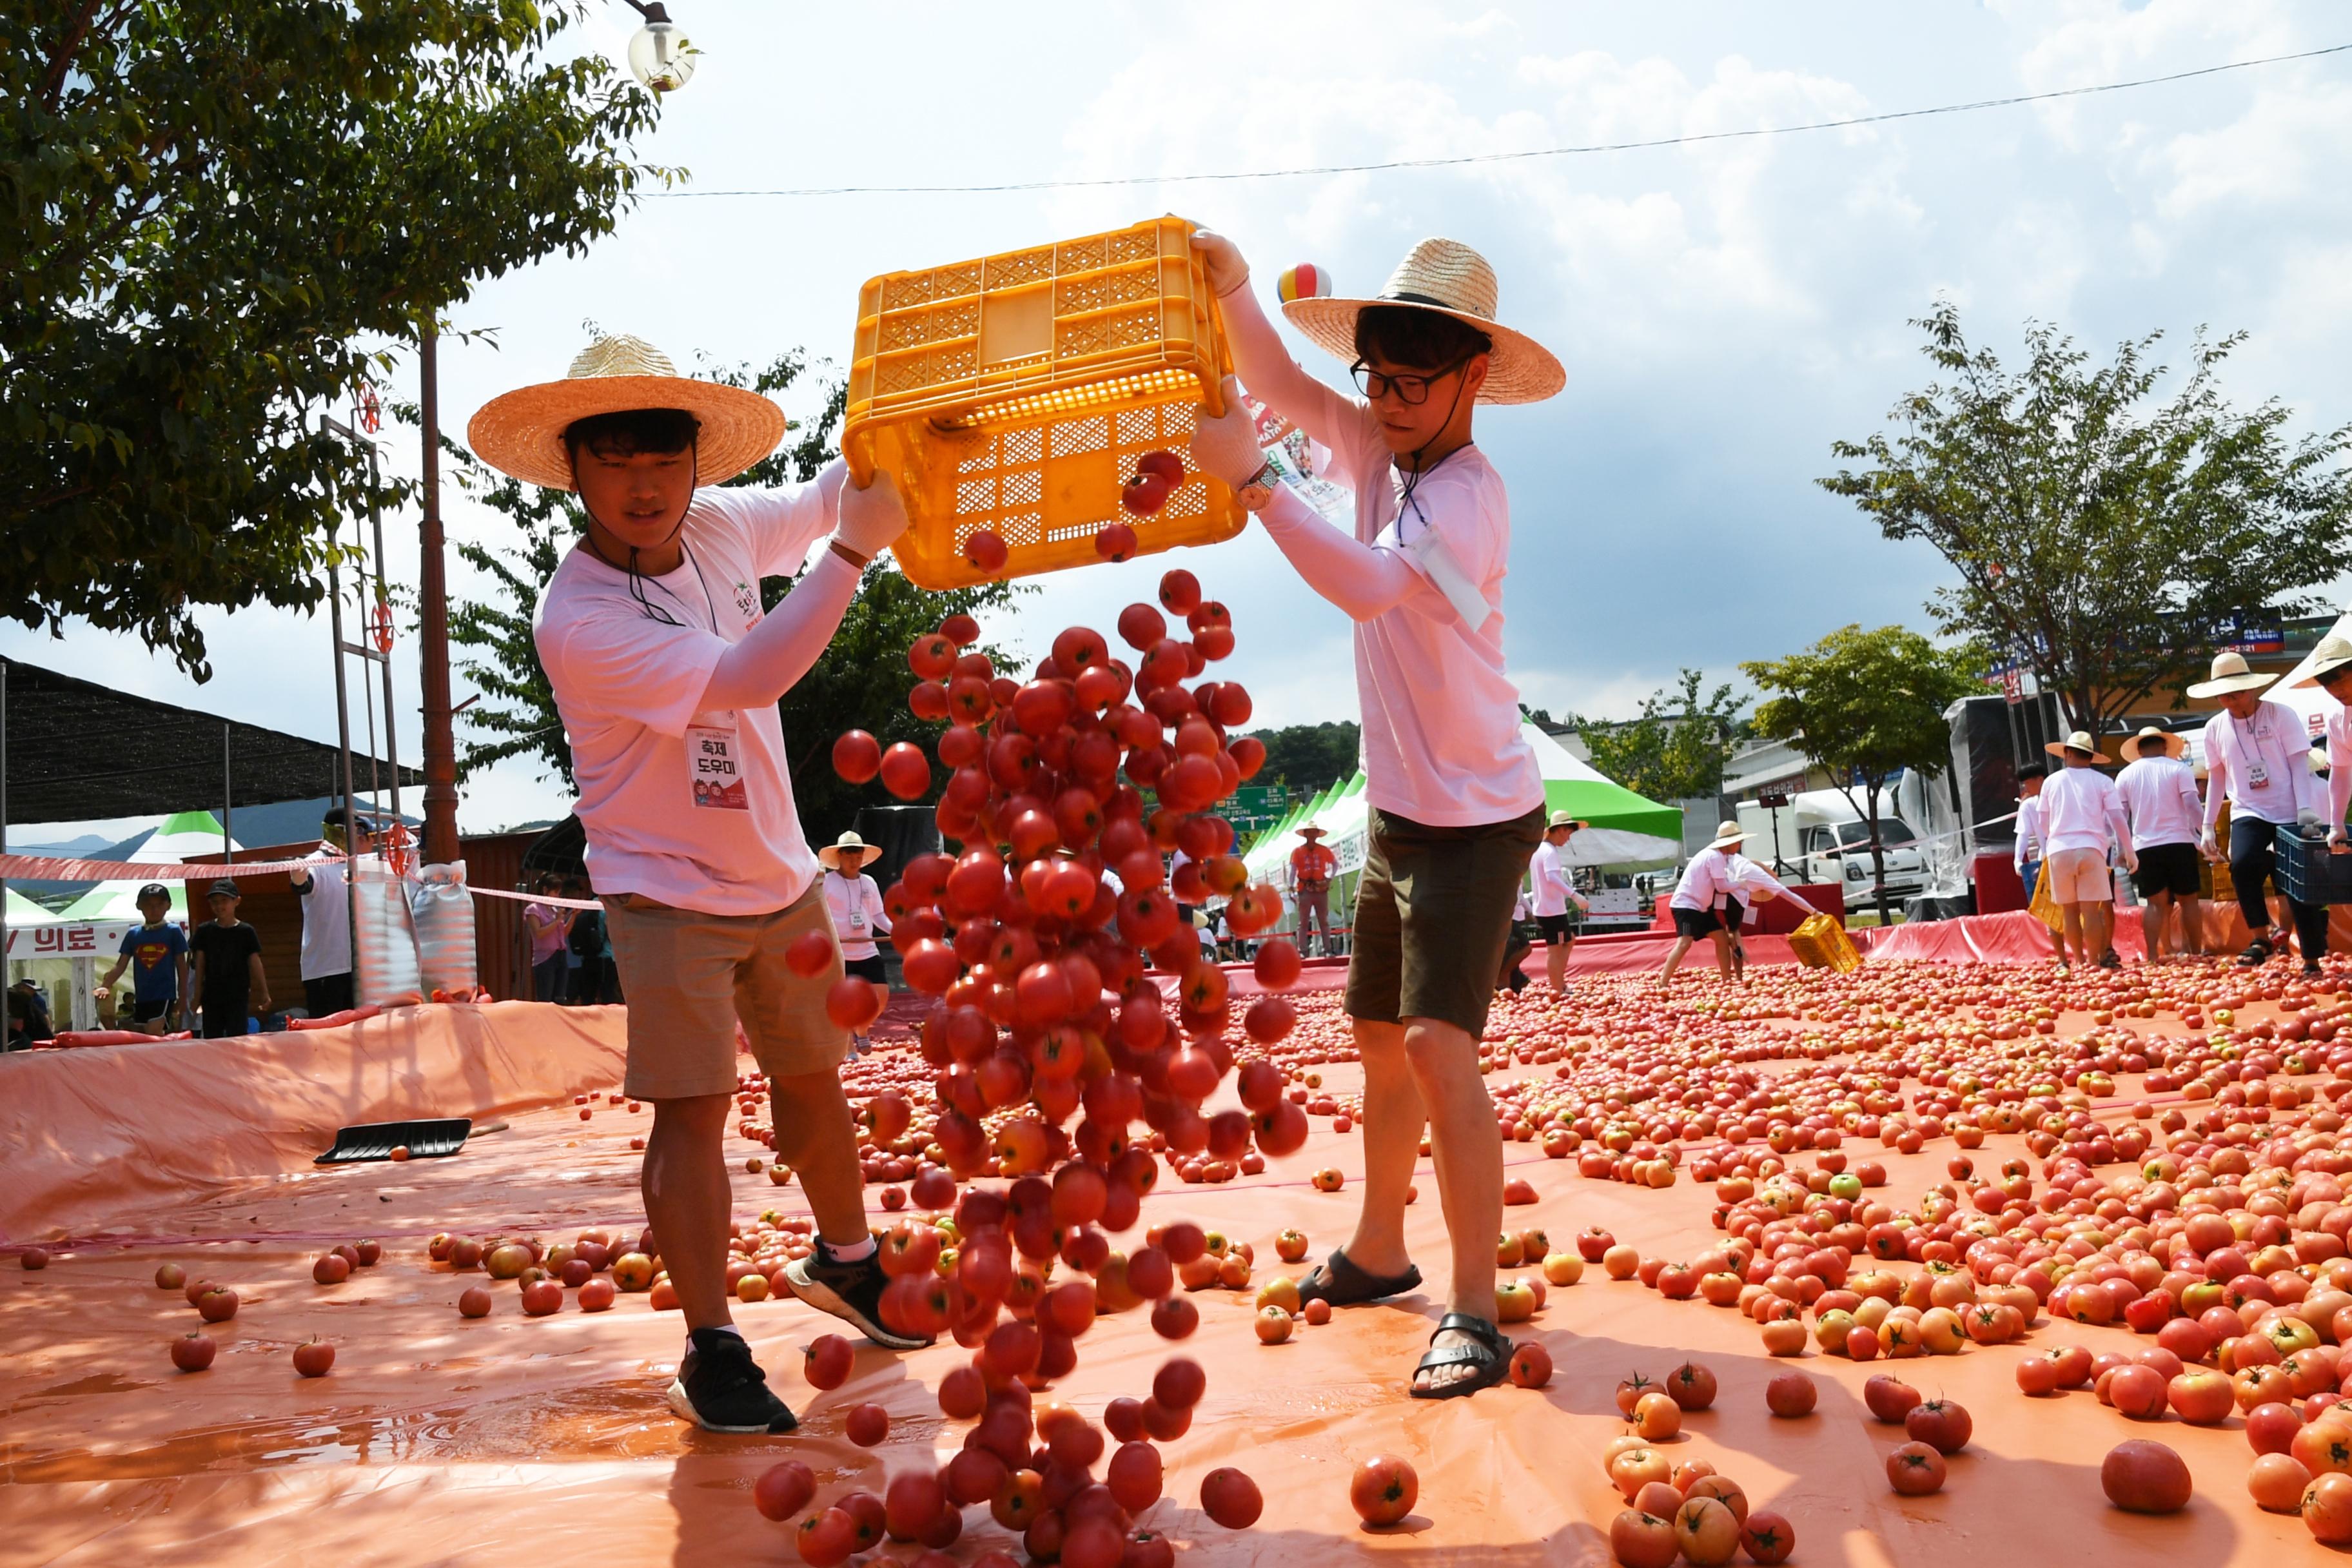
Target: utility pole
(433, 655)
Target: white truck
(1822, 838)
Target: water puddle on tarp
(581, 1424)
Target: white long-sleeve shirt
(1704, 881)
(1547, 875)
(855, 906)
(2160, 799)
(2258, 766)
(1749, 880)
(2082, 810)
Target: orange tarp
(439, 1440)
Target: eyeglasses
(1409, 389)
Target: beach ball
(1304, 281)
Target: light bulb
(659, 56)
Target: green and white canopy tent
(193, 836)
(1623, 831)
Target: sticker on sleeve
(714, 758)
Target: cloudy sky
(1725, 309)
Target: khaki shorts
(690, 976)
(2080, 877)
(1432, 916)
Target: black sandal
(1491, 1354)
(1340, 1283)
(2258, 952)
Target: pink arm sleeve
(2339, 777)
(1359, 579)
(2217, 774)
(777, 652)
(1274, 379)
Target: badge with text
(714, 761)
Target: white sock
(856, 1252)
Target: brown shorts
(690, 976)
(1432, 914)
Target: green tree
(2105, 541)
(1310, 757)
(1677, 749)
(1865, 706)
(859, 682)
(216, 210)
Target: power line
(1461, 160)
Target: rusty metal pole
(433, 655)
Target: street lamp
(659, 56)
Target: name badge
(714, 765)
(2258, 776)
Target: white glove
(1221, 259)
(2131, 861)
(2206, 847)
(872, 518)
(1225, 446)
(2338, 844)
(2312, 824)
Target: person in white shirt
(326, 898)
(2254, 759)
(2159, 793)
(1751, 884)
(1456, 798)
(2331, 671)
(2032, 842)
(1552, 894)
(666, 670)
(2083, 818)
(854, 902)
(1697, 899)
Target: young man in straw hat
(1554, 887)
(2160, 795)
(1455, 797)
(854, 902)
(1707, 884)
(666, 673)
(2331, 671)
(2254, 759)
(2083, 819)
(1312, 866)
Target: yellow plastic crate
(1820, 942)
(1013, 393)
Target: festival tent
(194, 836)
(1621, 828)
(2310, 702)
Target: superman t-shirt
(154, 953)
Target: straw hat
(1310, 832)
(2230, 674)
(831, 856)
(2174, 745)
(2332, 654)
(2080, 741)
(1727, 834)
(521, 432)
(1563, 819)
(1449, 277)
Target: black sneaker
(850, 1291)
(720, 1388)
(2110, 960)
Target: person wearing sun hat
(2159, 796)
(2253, 760)
(1312, 866)
(1553, 884)
(853, 902)
(2082, 822)
(1707, 884)
(1456, 798)
(2331, 671)
(667, 671)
